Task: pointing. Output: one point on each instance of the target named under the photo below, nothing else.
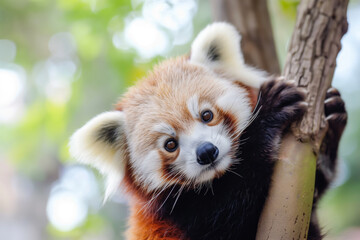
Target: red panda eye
(171, 145)
(207, 116)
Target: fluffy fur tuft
(218, 47)
(101, 143)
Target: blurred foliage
(289, 6)
(36, 143)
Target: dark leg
(336, 117)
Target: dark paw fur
(336, 117)
(335, 113)
(281, 102)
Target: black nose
(206, 153)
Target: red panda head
(179, 125)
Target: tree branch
(311, 58)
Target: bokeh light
(138, 29)
(12, 93)
(62, 45)
(66, 210)
(72, 197)
(11, 85)
(55, 75)
(163, 24)
(171, 14)
(7, 50)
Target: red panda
(193, 143)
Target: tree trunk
(311, 62)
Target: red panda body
(194, 144)
(164, 86)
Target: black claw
(337, 120)
(289, 96)
(334, 105)
(332, 92)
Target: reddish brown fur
(143, 224)
(252, 93)
(167, 160)
(146, 226)
(132, 188)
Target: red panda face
(182, 125)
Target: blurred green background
(64, 61)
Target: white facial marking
(147, 169)
(236, 101)
(165, 129)
(205, 106)
(193, 106)
(188, 144)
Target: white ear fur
(218, 48)
(101, 143)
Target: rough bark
(252, 20)
(311, 58)
(311, 62)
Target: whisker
(166, 198)
(177, 198)
(258, 101)
(211, 188)
(235, 173)
(160, 190)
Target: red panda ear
(101, 143)
(218, 47)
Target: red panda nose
(206, 153)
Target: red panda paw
(281, 102)
(336, 116)
(335, 113)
